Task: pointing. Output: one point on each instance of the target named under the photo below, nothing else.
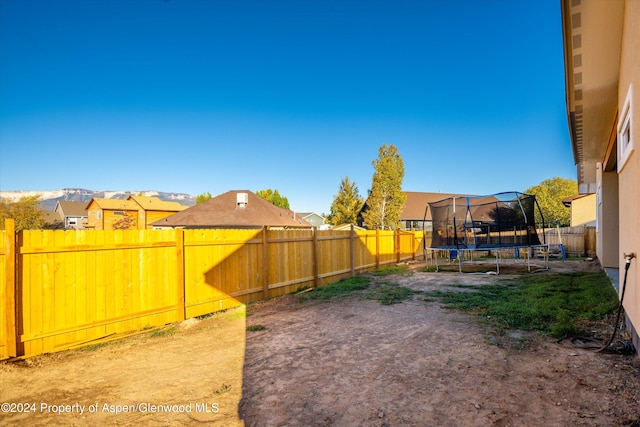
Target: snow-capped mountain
(50, 198)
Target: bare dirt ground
(350, 362)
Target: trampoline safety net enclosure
(503, 220)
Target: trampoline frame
(458, 254)
(459, 250)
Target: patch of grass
(340, 289)
(163, 332)
(94, 347)
(387, 293)
(396, 269)
(253, 328)
(551, 304)
(564, 325)
(225, 388)
(238, 314)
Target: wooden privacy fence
(62, 289)
(577, 241)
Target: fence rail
(62, 289)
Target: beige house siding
(602, 62)
(629, 175)
(583, 211)
(607, 219)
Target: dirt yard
(350, 362)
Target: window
(99, 214)
(625, 130)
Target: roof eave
(592, 40)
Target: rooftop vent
(242, 199)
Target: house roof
(308, 214)
(114, 204)
(568, 200)
(77, 209)
(225, 211)
(156, 204)
(416, 205)
(50, 217)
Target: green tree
(386, 198)
(273, 196)
(346, 204)
(5, 212)
(203, 197)
(26, 212)
(549, 194)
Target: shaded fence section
(61, 289)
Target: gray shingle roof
(76, 209)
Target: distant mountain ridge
(50, 198)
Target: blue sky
(199, 96)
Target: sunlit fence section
(74, 287)
(62, 289)
(221, 269)
(6, 298)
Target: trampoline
(496, 223)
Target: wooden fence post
(413, 244)
(377, 248)
(265, 263)
(352, 250)
(396, 244)
(181, 303)
(316, 258)
(10, 287)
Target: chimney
(241, 200)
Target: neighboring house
(602, 76)
(233, 209)
(414, 209)
(51, 220)
(416, 215)
(153, 209)
(412, 215)
(312, 218)
(73, 214)
(103, 213)
(583, 209)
